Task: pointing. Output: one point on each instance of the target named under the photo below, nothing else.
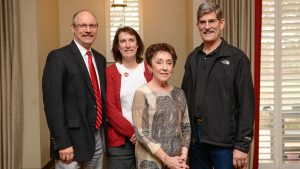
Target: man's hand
(66, 155)
(240, 159)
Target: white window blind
(279, 138)
(123, 16)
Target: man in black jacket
(220, 96)
(74, 98)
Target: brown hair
(153, 49)
(115, 50)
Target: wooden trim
(257, 60)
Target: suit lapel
(82, 67)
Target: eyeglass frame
(210, 22)
(85, 26)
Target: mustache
(88, 35)
(211, 30)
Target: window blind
(124, 16)
(290, 81)
(279, 138)
(267, 86)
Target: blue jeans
(207, 156)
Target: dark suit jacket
(69, 102)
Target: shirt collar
(217, 50)
(81, 48)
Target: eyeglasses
(84, 26)
(210, 22)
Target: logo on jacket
(225, 62)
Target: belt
(198, 120)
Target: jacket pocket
(73, 123)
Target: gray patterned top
(160, 121)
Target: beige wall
(39, 34)
(166, 21)
(31, 129)
(47, 39)
(45, 25)
(66, 12)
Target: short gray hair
(75, 15)
(208, 7)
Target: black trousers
(122, 157)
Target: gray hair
(75, 15)
(208, 7)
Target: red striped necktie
(95, 85)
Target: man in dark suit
(74, 98)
